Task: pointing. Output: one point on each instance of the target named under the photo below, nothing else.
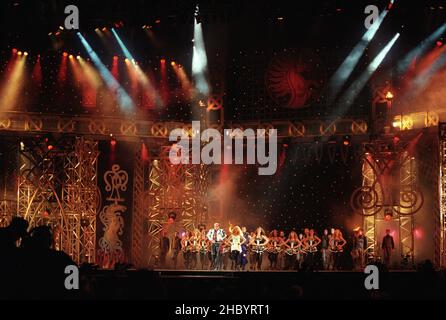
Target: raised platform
(266, 285)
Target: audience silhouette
(30, 268)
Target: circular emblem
(294, 79)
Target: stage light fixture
(19, 53)
(46, 213)
(85, 222)
(61, 28)
(172, 63)
(388, 214)
(25, 53)
(172, 215)
(389, 96)
(14, 50)
(439, 43)
(346, 141)
(78, 57)
(115, 57)
(65, 54)
(113, 142)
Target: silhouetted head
(18, 227)
(41, 237)
(387, 231)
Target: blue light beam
(355, 88)
(344, 71)
(124, 100)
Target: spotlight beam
(355, 88)
(124, 99)
(344, 71)
(142, 78)
(124, 49)
(199, 60)
(421, 80)
(10, 95)
(420, 49)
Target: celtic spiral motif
(411, 200)
(363, 199)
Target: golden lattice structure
(59, 189)
(389, 191)
(174, 188)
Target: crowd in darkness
(30, 267)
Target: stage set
(85, 118)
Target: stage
(223, 134)
(184, 285)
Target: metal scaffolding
(174, 188)
(389, 191)
(81, 200)
(140, 195)
(442, 218)
(58, 188)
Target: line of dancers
(238, 249)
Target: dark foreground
(219, 285)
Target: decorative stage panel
(57, 187)
(176, 200)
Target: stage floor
(162, 284)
